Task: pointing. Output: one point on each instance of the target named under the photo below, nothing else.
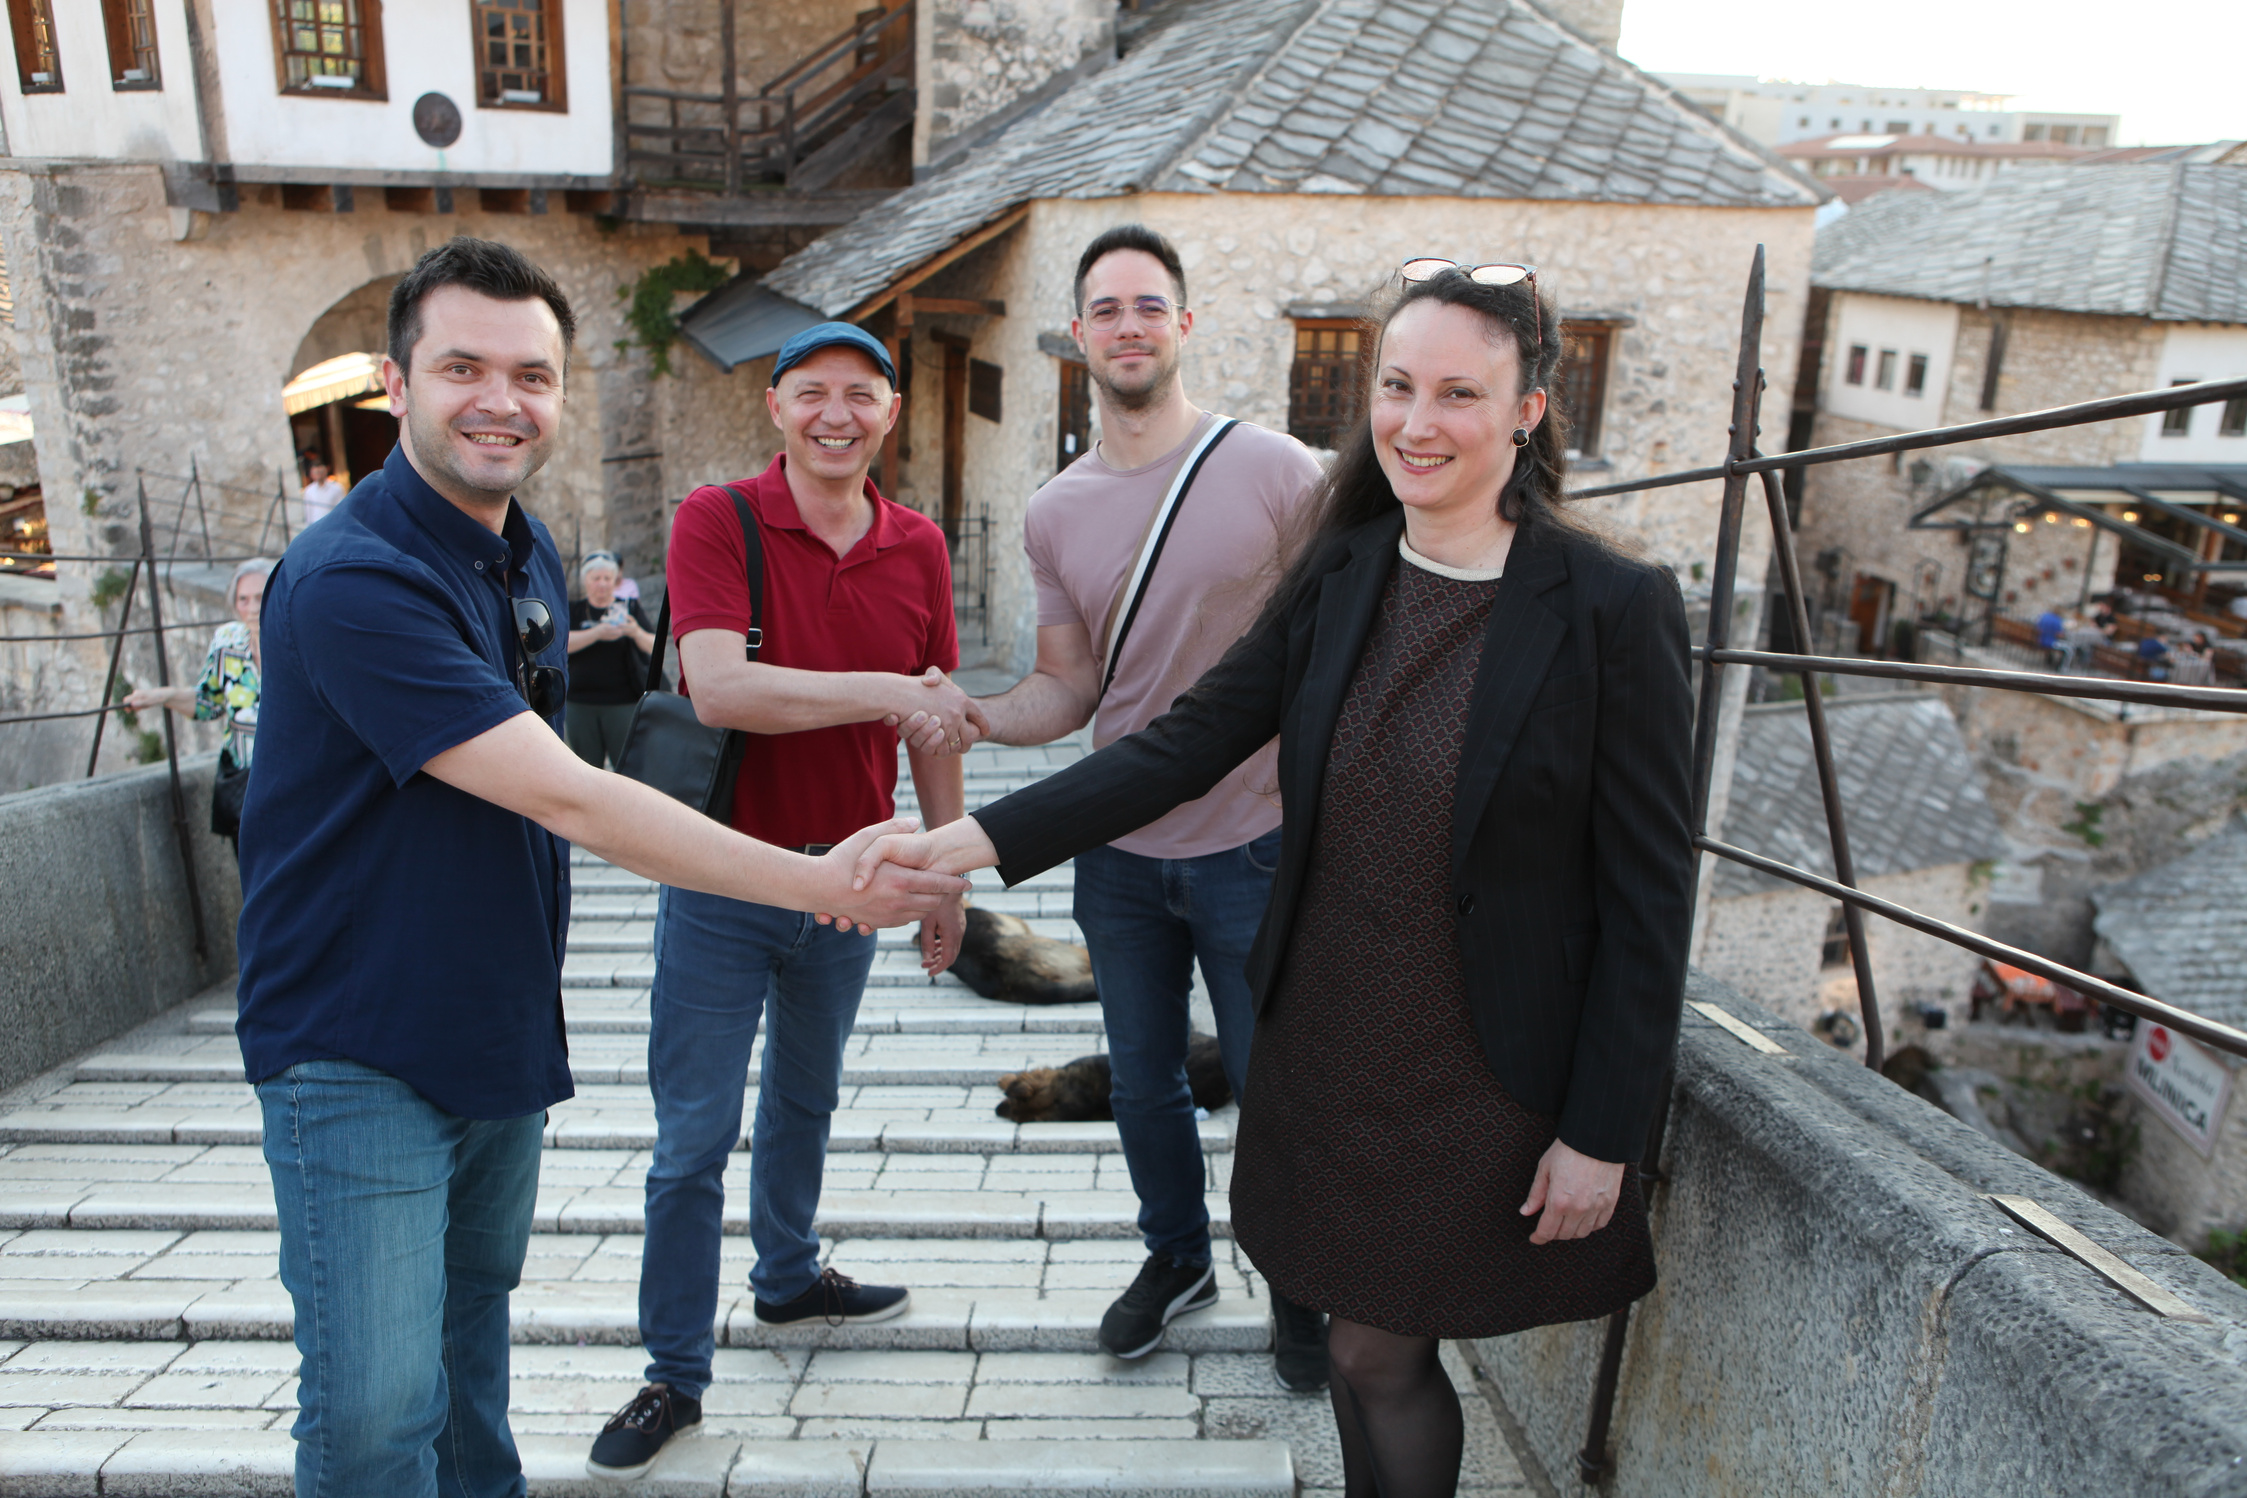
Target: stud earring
(1521, 436)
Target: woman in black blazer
(1468, 980)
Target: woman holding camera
(610, 641)
(1469, 976)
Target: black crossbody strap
(752, 541)
(1173, 502)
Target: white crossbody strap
(1126, 606)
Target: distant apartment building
(1945, 163)
(1779, 113)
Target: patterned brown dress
(1381, 1166)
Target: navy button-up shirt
(388, 918)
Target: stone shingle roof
(2160, 241)
(2178, 927)
(1466, 98)
(1908, 788)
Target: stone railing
(99, 933)
(1843, 1311)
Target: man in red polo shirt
(857, 636)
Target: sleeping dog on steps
(1078, 1092)
(1002, 958)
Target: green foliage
(151, 748)
(655, 327)
(92, 501)
(2086, 823)
(2228, 1253)
(108, 588)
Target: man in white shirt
(323, 493)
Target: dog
(1002, 958)
(1078, 1092)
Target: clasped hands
(935, 718)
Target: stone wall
(1768, 946)
(100, 936)
(980, 58)
(141, 351)
(1842, 1312)
(1678, 272)
(674, 44)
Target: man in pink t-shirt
(1195, 883)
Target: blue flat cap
(832, 335)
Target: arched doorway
(334, 400)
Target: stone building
(2174, 932)
(1921, 833)
(1296, 158)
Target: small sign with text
(2185, 1082)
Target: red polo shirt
(886, 606)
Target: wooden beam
(753, 209)
(935, 263)
(965, 306)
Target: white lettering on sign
(2183, 1081)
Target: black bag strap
(752, 541)
(1174, 502)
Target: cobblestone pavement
(144, 1334)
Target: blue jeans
(1145, 921)
(720, 966)
(402, 1232)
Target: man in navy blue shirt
(405, 870)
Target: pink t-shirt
(1220, 562)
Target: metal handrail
(1742, 461)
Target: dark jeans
(402, 1232)
(1145, 921)
(596, 730)
(721, 966)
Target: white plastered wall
(89, 117)
(2198, 351)
(1901, 328)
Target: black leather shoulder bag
(670, 748)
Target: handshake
(897, 874)
(934, 717)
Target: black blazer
(1571, 853)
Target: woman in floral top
(228, 687)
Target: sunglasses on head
(1497, 273)
(542, 686)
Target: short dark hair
(485, 266)
(1131, 237)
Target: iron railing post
(116, 656)
(171, 738)
(1747, 402)
(1829, 782)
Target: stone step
(1020, 1295)
(604, 931)
(896, 968)
(620, 1059)
(931, 1010)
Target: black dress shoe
(628, 1444)
(1298, 1345)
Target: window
(2094, 135)
(2032, 132)
(1804, 122)
(38, 67)
(329, 48)
(1915, 375)
(1326, 386)
(1899, 127)
(1886, 379)
(1835, 951)
(1583, 383)
(2234, 422)
(983, 382)
(1856, 372)
(2178, 423)
(519, 54)
(131, 25)
(1076, 414)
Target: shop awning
(2210, 497)
(332, 380)
(742, 320)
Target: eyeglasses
(1154, 312)
(1497, 273)
(542, 686)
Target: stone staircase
(144, 1335)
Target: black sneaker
(1164, 1291)
(838, 1299)
(1299, 1345)
(628, 1443)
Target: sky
(2170, 68)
